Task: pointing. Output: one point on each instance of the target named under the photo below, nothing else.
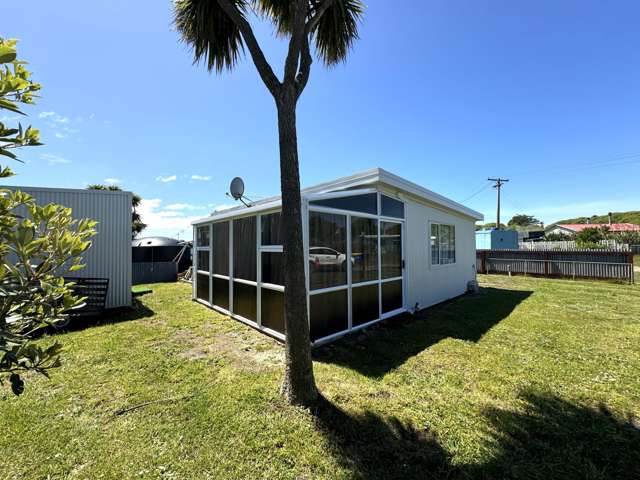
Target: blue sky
(444, 93)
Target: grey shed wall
(110, 254)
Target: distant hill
(617, 217)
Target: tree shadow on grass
(136, 311)
(547, 439)
(391, 343)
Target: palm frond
(211, 33)
(337, 30)
(280, 12)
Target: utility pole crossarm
(499, 182)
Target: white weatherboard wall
(430, 284)
(110, 253)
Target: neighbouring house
(573, 228)
(495, 239)
(109, 257)
(376, 244)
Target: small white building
(110, 253)
(377, 245)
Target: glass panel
(364, 249)
(244, 248)
(202, 287)
(272, 310)
(203, 260)
(391, 249)
(221, 248)
(272, 268)
(244, 300)
(328, 313)
(367, 203)
(447, 244)
(364, 301)
(391, 207)
(391, 296)
(221, 293)
(270, 229)
(327, 250)
(203, 236)
(435, 245)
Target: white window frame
(438, 266)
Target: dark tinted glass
(272, 310)
(391, 249)
(270, 229)
(364, 301)
(391, 296)
(203, 236)
(272, 268)
(202, 287)
(327, 250)
(221, 293)
(244, 300)
(367, 203)
(244, 248)
(391, 207)
(203, 260)
(364, 249)
(328, 313)
(221, 248)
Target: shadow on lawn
(548, 439)
(388, 345)
(137, 311)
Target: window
(203, 260)
(202, 287)
(203, 236)
(329, 314)
(391, 296)
(221, 248)
(367, 203)
(391, 249)
(327, 250)
(220, 293)
(272, 268)
(443, 244)
(270, 229)
(364, 249)
(244, 248)
(272, 310)
(391, 207)
(365, 304)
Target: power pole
(499, 182)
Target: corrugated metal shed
(110, 254)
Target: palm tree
(218, 31)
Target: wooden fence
(553, 263)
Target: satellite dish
(237, 188)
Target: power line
(482, 189)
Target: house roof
(614, 227)
(363, 179)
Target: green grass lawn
(530, 378)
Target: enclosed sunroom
(376, 246)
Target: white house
(377, 245)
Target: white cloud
(9, 118)
(54, 159)
(53, 117)
(163, 220)
(46, 114)
(60, 135)
(112, 181)
(183, 206)
(204, 178)
(168, 178)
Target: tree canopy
(522, 220)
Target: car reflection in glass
(325, 258)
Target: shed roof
(362, 179)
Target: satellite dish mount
(236, 190)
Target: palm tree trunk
(299, 385)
